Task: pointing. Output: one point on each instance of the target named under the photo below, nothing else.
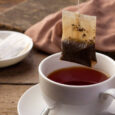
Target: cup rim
(72, 86)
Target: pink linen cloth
(47, 33)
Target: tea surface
(77, 76)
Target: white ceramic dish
(16, 59)
(32, 103)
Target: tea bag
(78, 39)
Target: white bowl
(16, 59)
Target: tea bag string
(78, 6)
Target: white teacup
(77, 100)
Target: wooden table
(15, 80)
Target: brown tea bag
(78, 39)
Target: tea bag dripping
(78, 38)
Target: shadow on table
(25, 72)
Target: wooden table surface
(14, 80)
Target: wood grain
(6, 4)
(9, 96)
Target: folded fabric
(47, 33)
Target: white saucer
(32, 103)
(20, 57)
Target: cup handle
(104, 96)
(45, 111)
